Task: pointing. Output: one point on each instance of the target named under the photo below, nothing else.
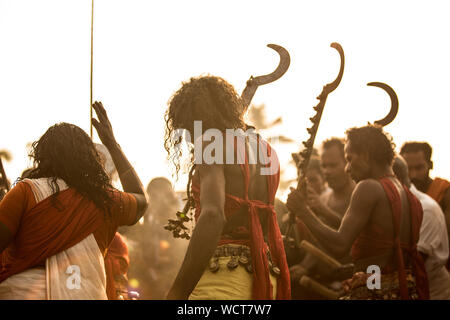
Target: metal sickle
(306, 153)
(394, 103)
(333, 85)
(254, 82)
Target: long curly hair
(66, 152)
(208, 99)
(375, 141)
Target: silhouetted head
(400, 168)
(367, 147)
(418, 158)
(314, 175)
(208, 99)
(333, 163)
(163, 200)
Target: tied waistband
(240, 255)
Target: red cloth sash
(262, 288)
(373, 241)
(437, 189)
(45, 231)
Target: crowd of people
(68, 232)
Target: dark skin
(368, 204)
(215, 181)
(128, 177)
(419, 172)
(316, 180)
(327, 214)
(333, 166)
(331, 212)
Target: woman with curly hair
(56, 225)
(236, 250)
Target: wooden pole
(92, 64)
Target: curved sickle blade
(285, 61)
(254, 82)
(306, 153)
(333, 85)
(394, 103)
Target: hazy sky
(143, 50)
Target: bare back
(383, 215)
(235, 185)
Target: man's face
(315, 180)
(418, 166)
(358, 165)
(163, 201)
(333, 164)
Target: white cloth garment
(77, 273)
(433, 241)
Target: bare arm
(128, 177)
(338, 243)
(318, 206)
(206, 234)
(330, 216)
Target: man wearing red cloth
(56, 225)
(418, 157)
(236, 250)
(381, 225)
(117, 262)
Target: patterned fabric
(374, 242)
(227, 283)
(389, 288)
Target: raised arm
(207, 231)
(363, 201)
(128, 177)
